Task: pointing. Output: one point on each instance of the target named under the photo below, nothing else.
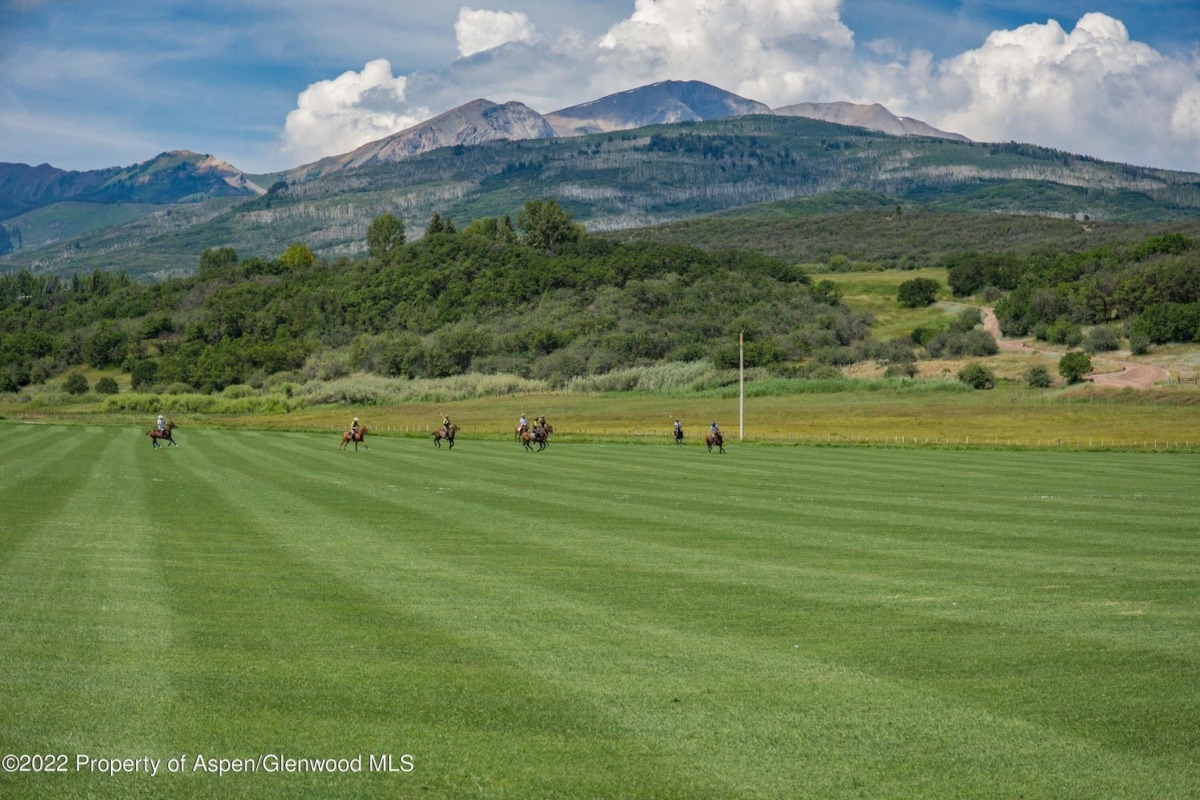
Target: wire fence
(840, 439)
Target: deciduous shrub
(1139, 343)
(1101, 339)
(106, 385)
(1038, 377)
(977, 376)
(1074, 365)
(75, 384)
(917, 292)
(1063, 332)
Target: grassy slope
(599, 621)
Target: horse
(546, 430)
(531, 436)
(155, 434)
(356, 437)
(517, 431)
(678, 437)
(715, 439)
(442, 433)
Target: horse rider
(446, 424)
(522, 424)
(678, 428)
(714, 430)
(354, 426)
(162, 426)
(542, 422)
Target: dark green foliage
(1074, 365)
(907, 369)
(956, 344)
(384, 236)
(977, 376)
(1169, 322)
(963, 337)
(548, 226)
(106, 385)
(918, 292)
(216, 260)
(479, 299)
(1139, 343)
(1063, 332)
(75, 384)
(1101, 339)
(143, 374)
(1058, 293)
(106, 345)
(827, 292)
(969, 272)
(1038, 377)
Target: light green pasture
(597, 621)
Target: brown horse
(356, 437)
(546, 430)
(517, 431)
(530, 437)
(155, 434)
(715, 439)
(442, 433)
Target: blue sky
(267, 85)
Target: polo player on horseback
(446, 424)
(354, 426)
(522, 424)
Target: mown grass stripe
(457, 706)
(585, 622)
(84, 626)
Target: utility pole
(741, 385)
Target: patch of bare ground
(1111, 372)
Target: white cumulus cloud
(338, 115)
(1091, 90)
(479, 30)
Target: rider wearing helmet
(162, 426)
(522, 424)
(446, 423)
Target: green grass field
(598, 620)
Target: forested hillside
(622, 180)
(1152, 288)
(541, 299)
(552, 303)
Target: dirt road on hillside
(1132, 374)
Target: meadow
(600, 620)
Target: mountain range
(657, 153)
(183, 176)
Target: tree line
(1150, 290)
(533, 296)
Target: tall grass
(201, 404)
(771, 387)
(365, 389)
(671, 378)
